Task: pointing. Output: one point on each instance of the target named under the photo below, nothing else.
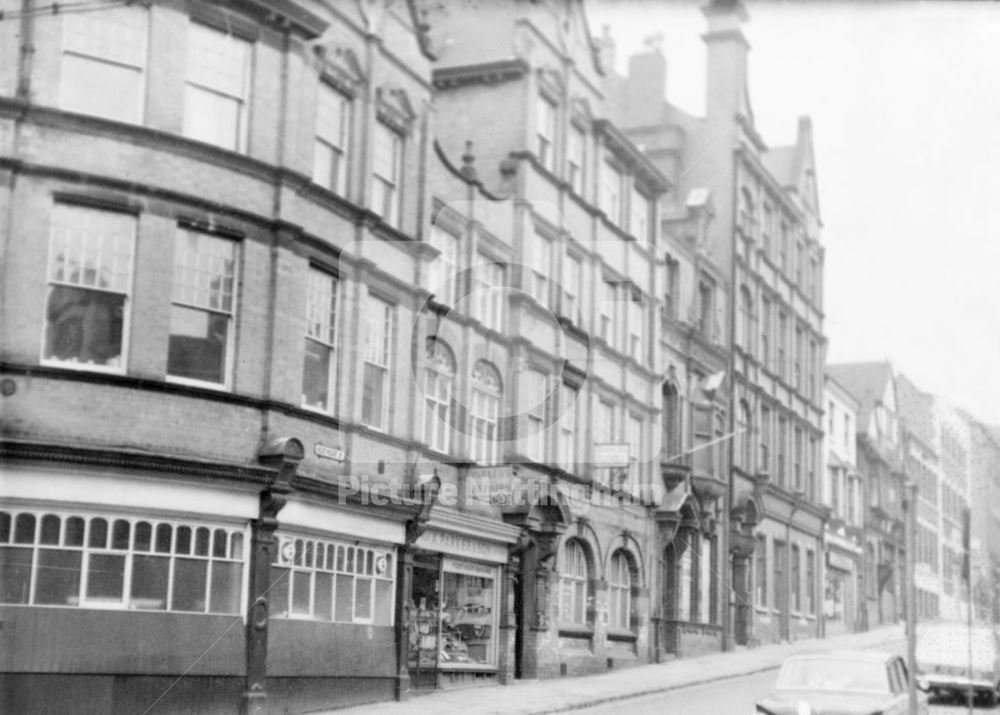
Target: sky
(905, 103)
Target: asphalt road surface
(731, 697)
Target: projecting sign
(334, 453)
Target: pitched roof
(866, 381)
(915, 408)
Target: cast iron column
(282, 455)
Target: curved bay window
(620, 591)
(487, 390)
(439, 381)
(574, 585)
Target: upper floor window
(619, 592)
(641, 207)
(575, 158)
(609, 306)
(444, 269)
(332, 581)
(218, 87)
(533, 402)
(90, 281)
(572, 288)
(386, 172)
(378, 350)
(633, 435)
(541, 266)
(487, 390)
(783, 247)
(489, 294)
(765, 333)
(747, 315)
(439, 382)
(333, 120)
(636, 330)
(760, 558)
(569, 427)
(319, 370)
(611, 192)
(574, 583)
(765, 439)
(103, 66)
(546, 132)
(767, 229)
(71, 559)
(744, 439)
(782, 345)
(748, 215)
(814, 280)
(706, 308)
(201, 318)
(671, 297)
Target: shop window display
(454, 612)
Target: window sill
(618, 634)
(216, 386)
(83, 366)
(574, 630)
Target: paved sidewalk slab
(560, 695)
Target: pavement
(564, 694)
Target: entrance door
(425, 623)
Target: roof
(915, 408)
(866, 381)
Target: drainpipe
(27, 53)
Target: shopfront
(456, 602)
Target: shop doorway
(425, 623)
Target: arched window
(487, 390)
(744, 437)
(439, 381)
(619, 591)
(574, 584)
(748, 319)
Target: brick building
(764, 244)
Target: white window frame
(489, 277)
(609, 308)
(576, 158)
(620, 592)
(612, 181)
(77, 230)
(439, 387)
(640, 207)
(329, 97)
(231, 313)
(379, 329)
(310, 557)
(484, 415)
(636, 330)
(241, 99)
(390, 192)
(103, 40)
(232, 534)
(541, 268)
(546, 132)
(573, 288)
(574, 580)
(444, 268)
(569, 427)
(535, 400)
(322, 306)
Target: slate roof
(915, 409)
(866, 382)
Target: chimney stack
(727, 47)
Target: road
(734, 697)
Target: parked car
(943, 660)
(842, 683)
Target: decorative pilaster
(282, 455)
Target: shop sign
(469, 568)
(462, 545)
(324, 452)
(839, 561)
(611, 455)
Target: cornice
(482, 73)
(625, 150)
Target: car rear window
(833, 674)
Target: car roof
(869, 656)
